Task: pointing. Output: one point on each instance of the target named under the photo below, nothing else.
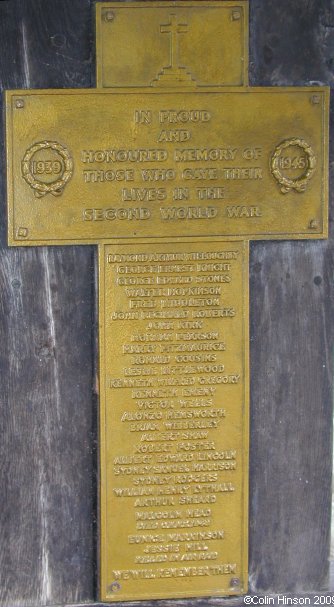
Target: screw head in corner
(236, 15)
(314, 224)
(108, 16)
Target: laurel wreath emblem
(300, 183)
(54, 187)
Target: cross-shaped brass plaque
(172, 165)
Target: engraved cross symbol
(174, 28)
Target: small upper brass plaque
(159, 44)
(87, 166)
(174, 419)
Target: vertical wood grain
(291, 340)
(46, 355)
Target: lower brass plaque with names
(174, 419)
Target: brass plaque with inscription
(171, 167)
(89, 166)
(174, 419)
(175, 43)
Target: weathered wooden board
(291, 293)
(48, 415)
(48, 406)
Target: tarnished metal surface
(164, 44)
(51, 462)
(87, 166)
(168, 172)
(174, 419)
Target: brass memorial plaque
(174, 419)
(92, 165)
(175, 44)
(171, 167)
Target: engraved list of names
(175, 366)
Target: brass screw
(315, 99)
(314, 224)
(236, 15)
(22, 232)
(108, 16)
(19, 103)
(235, 582)
(114, 587)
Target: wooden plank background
(48, 448)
